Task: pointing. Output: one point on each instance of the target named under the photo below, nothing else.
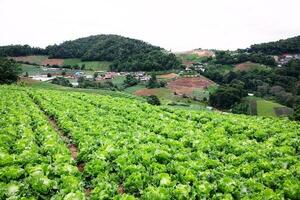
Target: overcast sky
(176, 25)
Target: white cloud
(172, 24)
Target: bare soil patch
(244, 66)
(88, 191)
(146, 92)
(283, 111)
(73, 150)
(80, 167)
(24, 59)
(121, 189)
(204, 53)
(51, 62)
(188, 85)
(168, 76)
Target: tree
(63, 73)
(9, 71)
(26, 74)
(241, 108)
(49, 75)
(130, 80)
(162, 83)
(61, 81)
(296, 114)
(154, 100)
(152, 83)
(225, 97)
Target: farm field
(44, 60)
(38, 59)
(35, 163)
(188, 85)
(250, 66)
(120, 148)
(267, 108)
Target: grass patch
(72, 61)
(266, 108)
(119, 80)
(37, 59)
(96, 65)
(201, 94)
(133, 89)
(31, 69)
(50, 86)
(191, 57)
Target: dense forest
(290, 45)
(281, 84)
(126, 54)
(227, 57)
(20, 50)
(100, 47)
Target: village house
(285, 58)
(79, 74)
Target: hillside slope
(290, 45)
(126, 54)
(128, 149)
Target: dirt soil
(188, 85)
(73, 150)
(52, 62)
(24, 58)
(146, 92)
(244, 66)
(168, 76)
(121, 189)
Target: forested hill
(126, 54)
(290, 45)
(20, 50)
(100, 47)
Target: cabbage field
(127, 149)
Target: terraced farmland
(126, 149)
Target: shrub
(154, 100)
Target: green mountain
(100, 47)
(290, 45)
(126, 54)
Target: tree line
(290, 45)
(280, 84)
(227, 57)
(126, 54)
(20, 50)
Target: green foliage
(225, 97)
(34, 161)
(290, 45)
(156, 60)
(282, 84)
(152, 152)
(20, 50)
(9, 71)
(130, 81)
(154, 83)
(153, 100)
(296, 114)
(241, 108)
(107, 85)
(61, 81)
(127, 54)
(226, 57)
